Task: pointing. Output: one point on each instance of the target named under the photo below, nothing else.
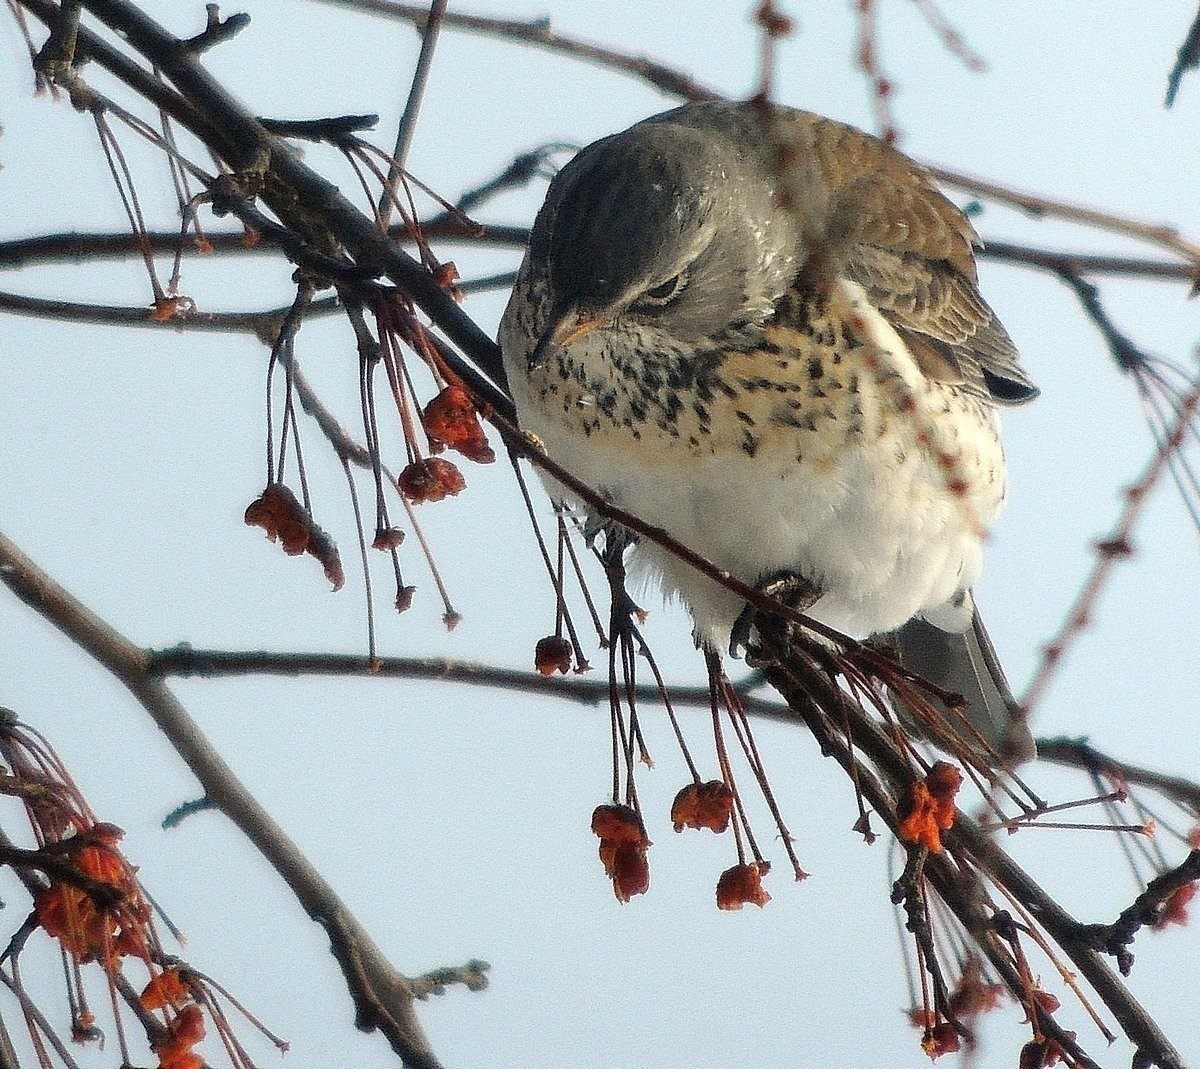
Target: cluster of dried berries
(703, 805)
(624, 843)
(94, 906)
(552, 654)
(451, 420)
(1175, 909)
(742, 885)
(623, 846)
(285, 520)
(430, 479)
(972, 997)
(183, 1032)
(928, 808)
(713, 804)
(92, 902)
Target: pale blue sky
(455, 821)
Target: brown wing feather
(869, 213)
(912, 250)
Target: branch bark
(383, 997)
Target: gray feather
(966, 663)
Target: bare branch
(412, 108)
(383, 997)
(264, 324)
(540, 34)
(217, 30)
(1084, 263)
(1125, 352)
(1164, 235)
(1146, 909)
(1187, 60)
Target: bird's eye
(660, 296)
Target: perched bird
(760, 330)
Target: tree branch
(383, 997)
(79, 248)
(540, 34)
(1188, 59)
(813, 695)
(263, 323)
(1161, 234)
(412, 107)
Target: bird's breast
(820, 449)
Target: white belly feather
(876, 525)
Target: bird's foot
(789, 589)
(616, 539)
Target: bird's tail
(966, 663)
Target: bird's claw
(789, 589)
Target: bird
(761, 331)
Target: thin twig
(1109, 552)
(78, 248)
(1188, 59)
(1163, 235)
(412, 107)
(540, 34)
(264, 324)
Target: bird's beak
(563, 327)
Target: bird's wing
(912, 250)
(949, 328)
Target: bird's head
(664, 228)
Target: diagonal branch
(383, 997)
(412, 108)
(540, 34)
(813, 695)
(1188, 59)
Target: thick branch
(294, 191)
(383, 997)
